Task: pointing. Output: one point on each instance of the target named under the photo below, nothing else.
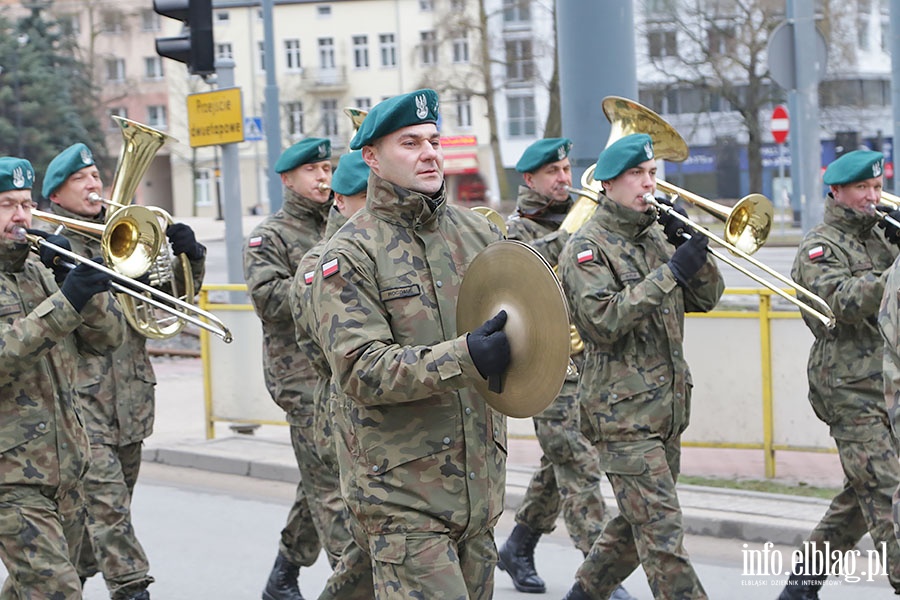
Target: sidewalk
(179, 440)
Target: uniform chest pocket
(10, 310)
(406, 301)
(862, 266)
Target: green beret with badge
(858, 165)
(15, 174)
(310, 150)
(395, 113)
(352, 174)
(73, 159)
(543, 151)
(623, 154)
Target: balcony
(325, 80)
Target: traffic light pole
(272, 120)
(231, 188)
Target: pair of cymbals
(509, 275)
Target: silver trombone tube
(130, 286)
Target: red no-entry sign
(780, 124)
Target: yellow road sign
(215, 117)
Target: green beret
(310, 150)
(543, 151)
(352, 174)
(395, 113)
(15, 174)
(854, 166)
(623, 154)
(72, 159)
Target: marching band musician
(422, 456)
(568, 479)
(44, 448)
(628, 292)
(845, 261)
(117, 392)
(271, 255)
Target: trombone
(129, 287)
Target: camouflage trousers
(423, 564)
(110, 545)
(872, 474)
(568, 479)
(648, 530)
(40, 535)
(322, 523)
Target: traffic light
(194, 47)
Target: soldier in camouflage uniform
(422, 456)
(44, 449)
(628, 292)
(117, 392)
(271, 255)
(845, 261)
(568, 479)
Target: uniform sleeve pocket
(388, 548)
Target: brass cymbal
(509, 275)
(493, 216)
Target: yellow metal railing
(763, 313)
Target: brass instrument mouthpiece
(95, 197)
(323, 187)
(18, 234)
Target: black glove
(688, 259)
(49, 255)
(891, 231)
(672, 227)
(184, 241)
(84, 281)
(489, 346)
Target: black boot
(577, 593)
(282, 583)
(142, 595)
(517, 559)
(802, 587)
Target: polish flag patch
(817, 252)
(308, 277)
(255, 242)
(584, 256)
(330, 268)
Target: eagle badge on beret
(18, 177)
(648, 148)
(421, 106)
(876, 168)
(561, 152)
(86, 157)
(322, 151)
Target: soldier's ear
(370, 156)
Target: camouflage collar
(846, 219)
(532, 205)
(13, 256)
(63, 212)
(623, 221)
(401, 206)
(301, 207)
(335, 221)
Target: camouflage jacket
(629, 310)
(422, 440)
(889, 324)
(117, 389)
(271, 255)
(844, 260)
(536, 222)
(42, 435)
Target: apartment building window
(74, 24)
(222, 16)
(662, 43)
(721, 40)
(519, 60)
(461, 48)
(388, 47)
(115, 69)
(361, 51)
(156, 117)
(204, 184)
(224, 50)
(323, 10)
(292, 54)
(115, 111)
(261, 53)
(428, 47)
(457, 5)
(363, 103)
(426, 5)
(153, 67)
(463, 110)
(112, 22)
(295, 119)
(329, 118)
(522, 116)
(516, 11)
(149, 20)
(326, 54)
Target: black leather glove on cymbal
(184, 241)
(489, 346)
(49, 255)
(84, 281)
(688, 259)
(891, 231)
(672, 227)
